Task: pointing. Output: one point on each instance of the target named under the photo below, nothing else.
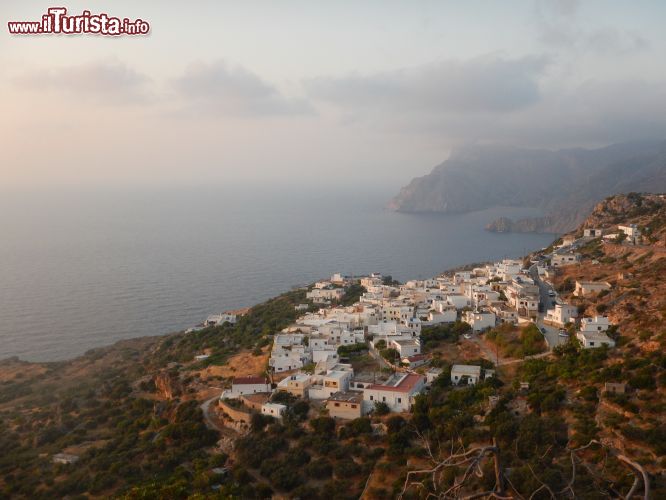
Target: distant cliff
(526, 225)
(563, 184)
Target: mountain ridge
(562, 184)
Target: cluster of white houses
(630, 232)
(305, 356)
(346, 396)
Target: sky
(346, 92)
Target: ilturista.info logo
(56, 21)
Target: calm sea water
(83, 269)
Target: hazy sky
(312, 91)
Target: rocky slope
(135, 413)
(563, 184)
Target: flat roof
(406, 342)
(337, 374)
(277, 406)
(347, 397)
(473, 369)
(406, 384)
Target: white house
(445, 316)
(561, 314)
(505, 314)
(432, 374)
(479, 320)
(459, 372)
(338, 279)
(591, 340)
(336, 380)
(588, 287)
(509, 268)
(564, 259)
(297, 384)
(289, 358)
(321, 295)
(632, 232)
(592, 233)
(406, 347)
(324, 354)
(220, 319)
(250, 385)
(398, 392)
(457, 300)
(275, 410)
(400, 313)
(375, 279)
(288, 352)
(595, 324)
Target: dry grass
(242, 364)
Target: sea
(83, 268)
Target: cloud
(110, 82)
(613, 41)
(558, 27)
(219, 88)
(590, 114)
(497, 100)
(488, 84)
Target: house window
(337, 404)
(384, 398)
(371, 398)
(399, 400)
(353, 406)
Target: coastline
(123, 343)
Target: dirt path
(205, 408)
(491, 355)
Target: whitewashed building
(470, 373)
(591, 340)
(561, 314)
(595, 324)
(250, 385)
(274, 410)
(564, 259)
(584, 288)
(397, 393)
(479, 320)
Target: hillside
(564, 185)
(137, 413)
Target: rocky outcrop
(527, 225)
(168, 384)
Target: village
(364, 384)
(313, 358)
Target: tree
(392, 355)
(323, 425)
(381, 408)
(319, 469)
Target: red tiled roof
(250, 380)
(405, 385)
